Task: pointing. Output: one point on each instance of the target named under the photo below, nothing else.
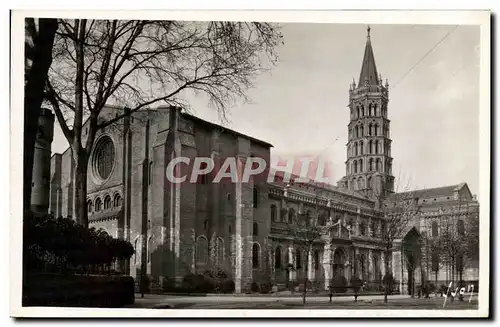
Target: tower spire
(368, 68)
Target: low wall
(77, 290)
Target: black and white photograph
(250, 164)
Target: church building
(244, 228)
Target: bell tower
(369, 161)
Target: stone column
(382, 262)
(357, 267)
(310, 266)
(327, 263)
(371, 270)
(293, 274)
(396, 269)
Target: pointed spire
(368, 68)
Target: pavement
(154, 301)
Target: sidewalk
(161, 301)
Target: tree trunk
(80, 213)
(33, 97)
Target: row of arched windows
(373, 165)
(460, 228)
(358, 148)
(100, 205)
(202, 250)
(372, 110)
(289, 216)
(301, 258)
(372, 130)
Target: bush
(227, 286)
(254, 287)
(291, 285)
(62, 245)
(266, 287)
(339, 284)
(356, 284)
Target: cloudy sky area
(301, 106)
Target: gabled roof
(431, 192)
(368, 68)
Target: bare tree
(137, 64)
(458, 238)
(38, 45)
(399, 210)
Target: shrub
(254, 287)
(339, 284)
(62, 245)
(227, 286)
(266, 287)
(356, 284)
(291, 285)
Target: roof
(431, 192)
(225, 129)
(279, 176)
(368, 69)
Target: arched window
(434, 229)
(370, 147)
(370, 130)
(89, 206)
(376, 147)
(316, 260)
(370, 164)
(150, 173)
(283, 215)
(460, 227)
(255, 197)
(107, 202)
(373, 229)
(298, 262)
(104, 157)
(291, 215)
(362, 228)
(149, 248)
(361, 130)
(322, 220)
(277, 257)
(369, 109)
(255, 229)
(356, 129)
(375, 129)
(361, 147)
(273, 213)
(136, 248)
(359, 111)
(255, 255)
(205, 224)
(361, 183)
(98, 204)
(117, 201)
(360, 165)
(370, 182)
(355, 167)
(220, 251)
(202, 250)
(355, 149)
(375, 109)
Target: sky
(300, 107)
